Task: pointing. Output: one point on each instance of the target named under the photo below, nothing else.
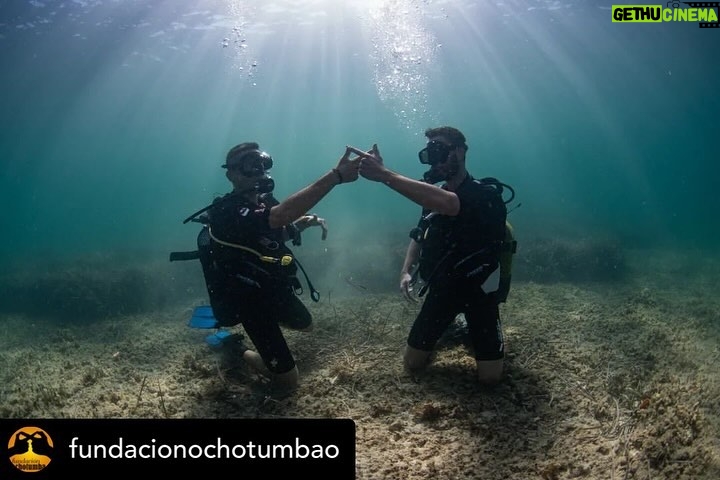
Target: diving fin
(203, 317)
(225, 339)
(218, 338)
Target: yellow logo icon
(30, 449)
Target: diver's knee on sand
(286, 381)
(254, 359)
(415, 359)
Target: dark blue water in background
(116, 115)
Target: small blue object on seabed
(204, 318)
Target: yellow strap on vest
(285, 260)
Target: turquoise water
(117, 114)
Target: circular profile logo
(29, 449)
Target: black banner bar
(75, 448)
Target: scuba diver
(461, 248)
(249, 271)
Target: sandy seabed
(602, 380)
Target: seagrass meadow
(611, 378)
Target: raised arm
(424, 194)
(299, 203)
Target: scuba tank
(503, 249)
(507, 250)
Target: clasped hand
(312, 221)
(371, 164)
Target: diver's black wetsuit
(457, 256)
(245, 289)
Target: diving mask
(435, 152)
(252, 163)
